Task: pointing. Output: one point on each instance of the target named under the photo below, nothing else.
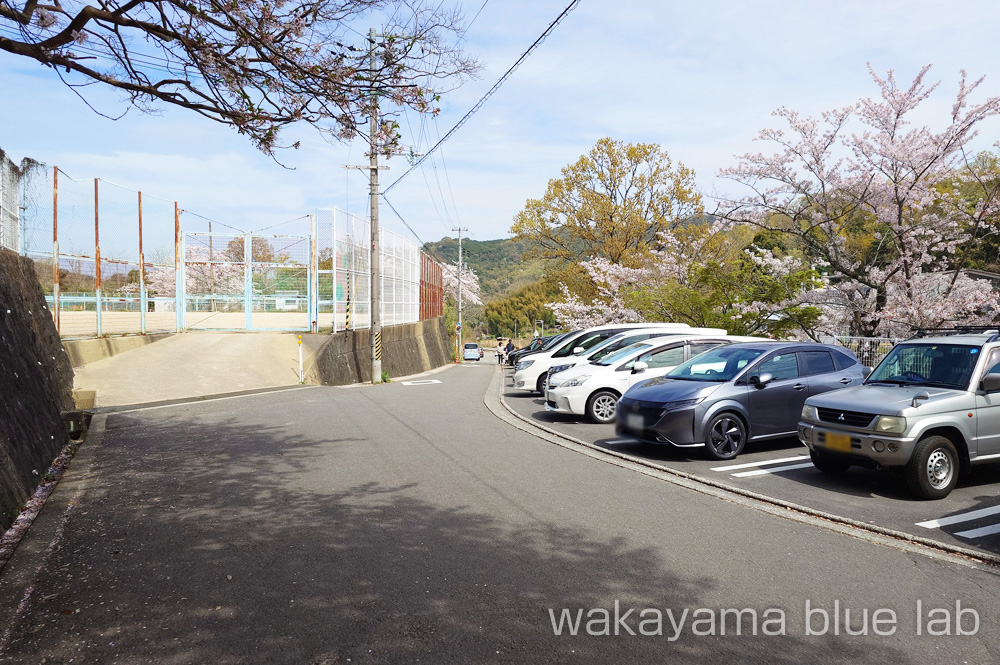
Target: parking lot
(780, 469)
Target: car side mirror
(639, 367)
(866, 371)
(991, 382)
(578, 350)
(762, 380)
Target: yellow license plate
(839, 442)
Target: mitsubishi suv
(931, 408)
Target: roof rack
(956, 330)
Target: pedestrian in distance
(501, 353)
(509, 349)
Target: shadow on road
(225, 542)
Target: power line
(489, 93)
(423, 245)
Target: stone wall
(406, 349)
(36, 385)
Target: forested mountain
(497, 263)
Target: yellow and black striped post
(378, 345)
(347, 323)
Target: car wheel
(726, 436)
(828, 463)
(540, 384)
(601, 407)
(932, 471)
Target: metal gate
(246, 282)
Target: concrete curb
(793, 511)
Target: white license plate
(635, 421)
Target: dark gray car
(728, 396)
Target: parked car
(472, 352)
(931, 408)
(593, 388)
(623, 339)
(530, 373)
(730, 395)
(537, 344)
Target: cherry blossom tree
(200, 276)
(255, 65)
(890, 208)
(471, 293)
(705, 275)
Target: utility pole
(376, 273)
(460, 328)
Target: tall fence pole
(313, 275)
(178, 271)
(97, 258)
(247, 281)
(142, 275)
(55, 245)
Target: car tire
(932, 471)
(725, 436)
(540, 383)
(601, 407)
(828, 463)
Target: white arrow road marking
(980, 532)
(961, 517)
(748, 465)
(777, 469)
(420, 383)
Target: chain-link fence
(10, 204)
(116, 261)
(869, 350)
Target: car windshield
(943, 365)
(621, 354)
(720, 364)
(472, 346)
(545, 346)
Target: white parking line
(619, 441)
(978, 533)
(748, 465)
(425, 382)
(777, 469)
(961, 517)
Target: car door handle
(846, 381)
(799, 386)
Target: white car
(623, 339)
(530, 373)
(593, 389)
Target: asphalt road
(969, 517)
(407, 523)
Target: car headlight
(891, 424)
(681, 404)
(559, 368)
(809, 413)
(524, 364)
(575, 381)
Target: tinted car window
(816, 362)
(843, 360)
(781, 366)
(665, 357)
(702, 347)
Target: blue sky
(700, 79)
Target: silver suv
(931, 407)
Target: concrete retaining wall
(406, 349)
(36, 385)
(84, 351)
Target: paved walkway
(196, 364)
